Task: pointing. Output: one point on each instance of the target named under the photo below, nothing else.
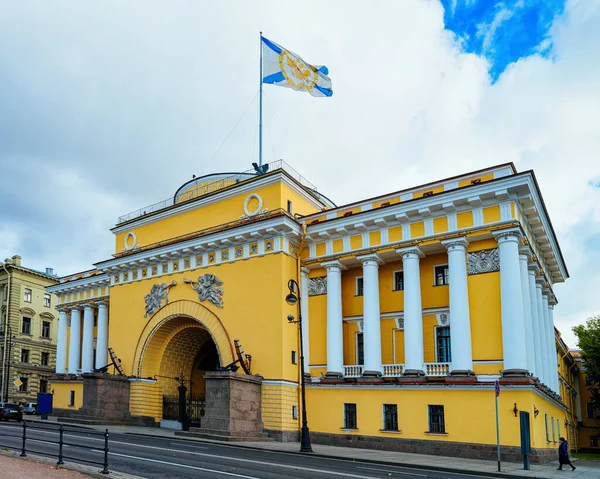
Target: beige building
(28, 330)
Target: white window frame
(356, 287)
(435, 277)
(47, 296)
(383, 428)
(30, 295)
(546, 424)
(553, 430)
(356, 347)
(394, 280)
(435, 340)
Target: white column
(530, 348)
(75, 341)
(554, 363)
(335, 335)
(87, 349)
(413, 312)
(102, 337)
(304, 312)
(371, 314)
(61, 342)
(543, 331)
(460, 318)
(551, 345)
(511, 298)
(535, 320)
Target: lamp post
(292, 298)
(6, 379)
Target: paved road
(152, 457)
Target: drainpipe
(3, 394)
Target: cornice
(97, 281)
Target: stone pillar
(413, 312)
(304, 312)
(523, 262)
(535, 320)
(335, 335)
(371, 314)
(102, 336)
(61, 342)
(75, 341)
(460, 319)
(87, 350)
(511, 298)
(543, 333)
(554, 363)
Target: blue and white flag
(284, 68)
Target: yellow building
(588, 413)
(29, 316)
(413, 304)
(568, 374)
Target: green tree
(588, 336)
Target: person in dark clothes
(563, 454)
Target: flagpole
(260, 101)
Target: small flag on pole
(282, 67)
(497, 388)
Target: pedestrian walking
(563, 454)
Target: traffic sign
(17, 382)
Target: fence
(60, 443)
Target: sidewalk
(585, 469)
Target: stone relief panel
(208, 288)
(155, 297)
(484, 261)
(317, 286)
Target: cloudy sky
(108, 106)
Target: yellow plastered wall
(486, 317)
(61, 391)
(395, 234)
(440, 225)
(374, 238)
(482, 178)
(464, 220)
(145, 399)
(350, 329)
(417, 230)
(388, 328)
(491, 214)
(317, 317)
(355, 242)
(277, 404)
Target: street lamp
(292, 298)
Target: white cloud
(107, 108)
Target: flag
(282, 67)
(497, 387)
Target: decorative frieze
(484, 261)
(154, 299)
(317, 286)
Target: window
(546, 424)
(390, 417)
(72, 398)
(45, 361)
(591, 410)
(398, 280)
(360, 286)
(26, 326)
(557, 428)
(553, 430)
(436, 419)
(24, 384)
(27, 295)
(360, 349)
(588, 381)
(593, 441)
(427, 193)
(476, 181)
(43, 385)
(444, 351)
(45, 329)
(350, 416)
(294, 357)
(47, 300)
(289, 206)
(294, 412)
(441, 275)
(24, 355)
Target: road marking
(187, 445)
(179, 465)
(395, 472)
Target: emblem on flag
(282, 67)
(497, 388)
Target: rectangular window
(45, 329)
(27, 295)
(45, 361)
(24, 355)
(588, 381)
(350, 416)
(294, 412)
(441, 275)
(558, 427)
(47, 300)
(436, 419)
(444, 352)
(289, 206)
(72, 398)
(593, 441)
(24, 384)
(294, 357)
(43, 385)
(360, 286)
(591, 410)
(390, 417)
(360, 349)
(546, 424)
(26, 326)
(398, 280)
(553, 430)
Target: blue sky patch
(502, 31)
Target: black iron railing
(60, 431)
(194, 408)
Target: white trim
(279, 382)
(435, 278)
(394, 280)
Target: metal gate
(195, 409)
